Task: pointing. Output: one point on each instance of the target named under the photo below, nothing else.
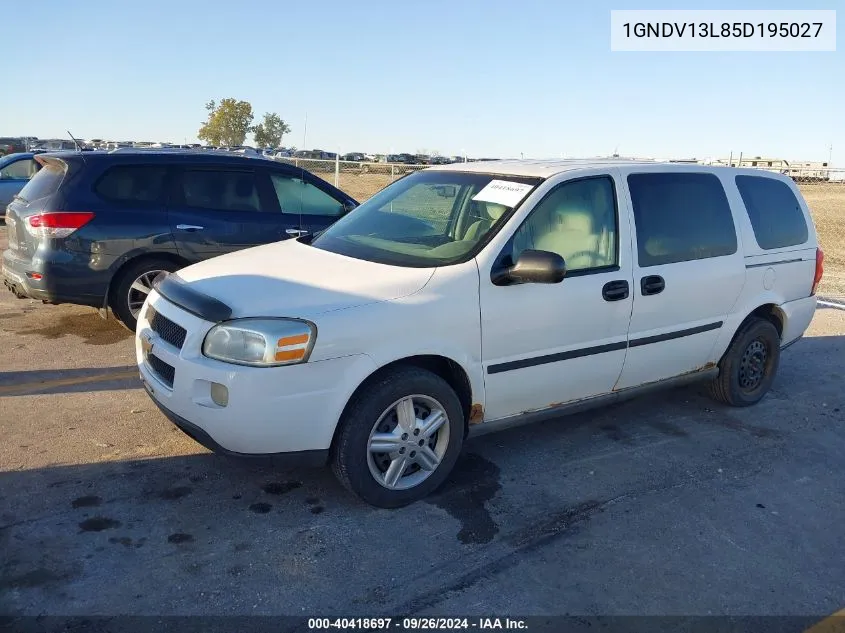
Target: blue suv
(95, 228)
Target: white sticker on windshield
(503, 192)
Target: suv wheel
(749, 366)
(400, 438)
(130, 289)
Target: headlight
(261, 342)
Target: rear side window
(681, 217)
(46, 182)
(776, 216)
(221, 190)
(132, 184)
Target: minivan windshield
(428, 218)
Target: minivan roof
(547, 168)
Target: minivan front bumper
(299, 459)
(288, 410)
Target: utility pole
(830, 155)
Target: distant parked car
(15, 171)
(357, 157)
(11, 145)
(95, 229)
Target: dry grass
(826, 202)
(360, 186)
(827, 205)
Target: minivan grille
(167, 329)
(163, 370)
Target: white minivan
(472, 297)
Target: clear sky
(491, 78)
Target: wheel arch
(446, 368)
(768, 311)
(131, 260)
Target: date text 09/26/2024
(417, 624)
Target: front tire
(399, 438)
(131, 287)
(749, 366)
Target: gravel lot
(670, 504)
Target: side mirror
(532, 267)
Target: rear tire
(397, 412)
(749, 366)
(124, 299)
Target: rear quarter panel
(777, 276)
(118, 233)
(117, 228)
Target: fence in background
(359, 180)
(824, 191)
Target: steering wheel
(594, 257)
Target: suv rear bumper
(59, 283)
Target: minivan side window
(578, 221)
(299, 197)
(220, 190)
(680, 217)
(132, 184)
(776, 216)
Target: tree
(270, 132)
(228, 122)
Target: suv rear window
(776, 216)
(46, 182)
(681, 217)
(132, 184)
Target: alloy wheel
(408, 442)
(139, 290)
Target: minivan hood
(290, 279)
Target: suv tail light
(819, 270)
(57, 224)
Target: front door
(546, 344)
(299, 197)
(217, 210)
(688, 272)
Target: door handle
(295, 232)
(615, 290)
(652, 285)
(189, 227)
